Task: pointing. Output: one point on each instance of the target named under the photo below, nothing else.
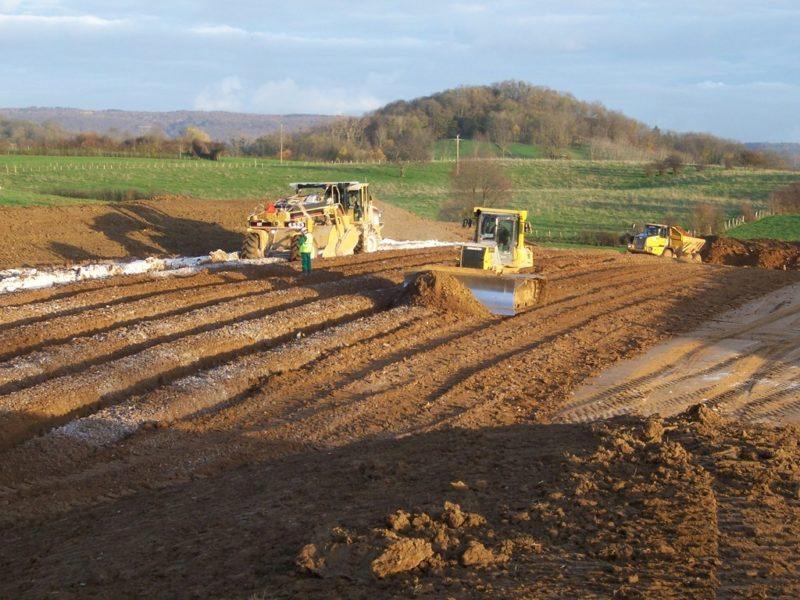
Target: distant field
(777, 227)
(446, 150)
(565, 197)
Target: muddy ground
(164, 226)
(255, 432)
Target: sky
(731, 68)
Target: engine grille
(472, 258)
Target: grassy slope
(778, 227)
(446, 150)
(564, 196)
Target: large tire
(370, 243)
(367, 242)
(251, 248)
(294, 254)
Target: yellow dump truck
(490, 265)
(669, 241)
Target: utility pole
(458, 153)
(281, 143)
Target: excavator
(490, 266)
(340, 216)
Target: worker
(306, 246)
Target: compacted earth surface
(162, 226)
(249, 432)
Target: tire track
(734, 365)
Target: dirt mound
(407, 542)
(441, 291)
(767, 254)
(163, 226)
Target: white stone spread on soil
(215, 385)
(12, 280)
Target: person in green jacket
(305, 244)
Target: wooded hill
(505, 113)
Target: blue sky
(728, 67)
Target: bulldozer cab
(501, 229)
(351, 195)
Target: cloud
(84, 21)
(326, 41)
(471, 8)
(218, 30)
(225, 95)
(711, 85)
(8, 5)
(286, 96)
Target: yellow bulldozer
(490, 266)
(341, 218)
(669, 241)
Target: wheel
(668, 253)
(251, 248)
(367, 243)
(294, 253)
(371, 243)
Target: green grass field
(446, 150)
(564, 197)
(777, 227)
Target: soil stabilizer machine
(340, 216)
(669, 241)
(490, 266)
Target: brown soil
(443, 292)
(767, 254)
(257, 432)
(164, 226)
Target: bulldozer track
(744, 365)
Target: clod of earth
(443, 292)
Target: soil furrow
(41, 407)
(84, 352)
(32, 337)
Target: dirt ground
(744, 363)
(164, 226)
(255, 433)
(766, 254)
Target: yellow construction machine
(490, 266)
(340, 216)
(669, 241)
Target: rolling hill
(219, 125)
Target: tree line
(22, 137)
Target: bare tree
(746, 208)
(707, 218)
(477, 183)
(787, 200)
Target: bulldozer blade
(502, 294)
